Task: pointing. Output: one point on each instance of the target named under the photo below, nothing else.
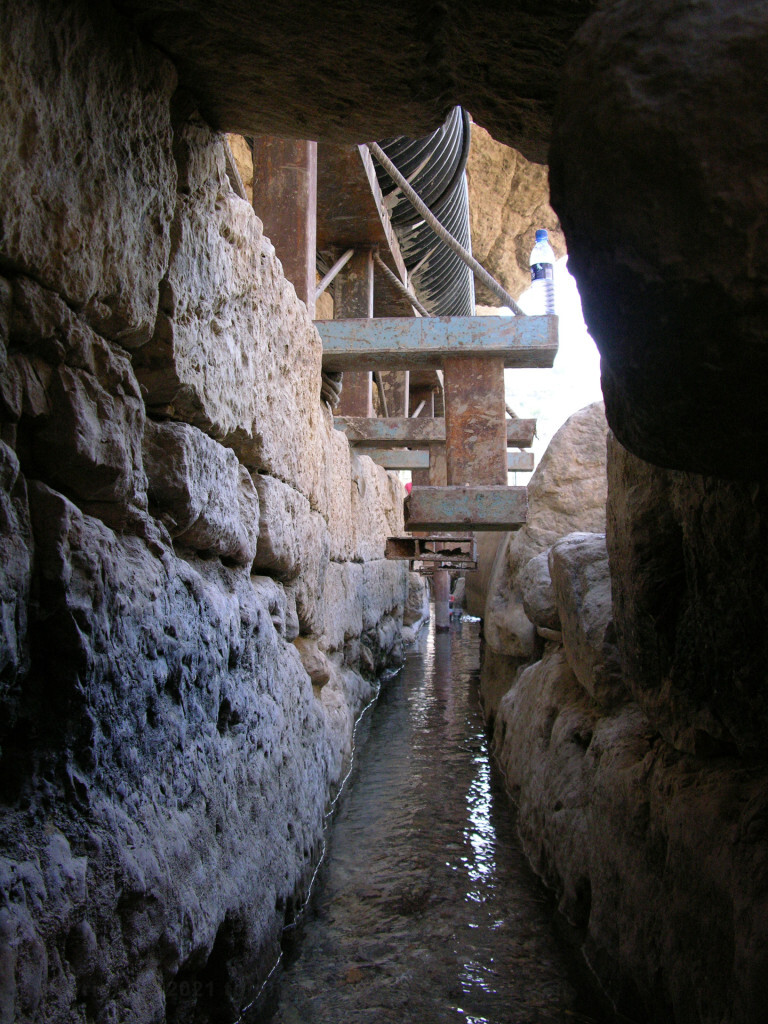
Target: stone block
(315, 663)
(343, 604)
(235, 352)
(537, 594)
(16, 553)
(80, 407)
(293, 539)
(581, 581)
(89, 197)
(567, 492)
(384, 591)
(199, 490)
(376, 507)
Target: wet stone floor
(425, 910)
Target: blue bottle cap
(541, 235)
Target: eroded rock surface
(658, 170)
(566, 493)
(167, 753)
(501, 63)
(508, 201)
(688, 554)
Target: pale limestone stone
(338, 497)
(81, 403)
(292, 538)
(205, 498)
(384, 590)
(272, 595)
(235, 352)
(581, 581)
(417, 601)
(315, 663)
(537, 594)
(376, 507)
(343, 604)
(566, 493)
(88, 198)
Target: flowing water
(425, 910)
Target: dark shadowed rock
(365, 71)
(581, 581)
(688, 556)
(659, 173)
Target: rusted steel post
(353, 299)
(285, 198)
(420, 477)
(441, 582)
(438, 470)
(475, 428)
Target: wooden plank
(466, 508)
(409, 344)
(406, 458)
(285, 198)
(394, 432)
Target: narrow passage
(426, 910)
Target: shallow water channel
(425, 909)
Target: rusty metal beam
(476, 436)
(409, 344)
(466, 508)
(285, 198)
(419, 432)
(353, 297)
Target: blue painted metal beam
(466, 508)
(418, 432)
(406, 458)
(395, 343)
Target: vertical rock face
(175, 510)
(687, 556)
(635, 745)
(91, 145)
(566, 492)
(659, 173)
(509, 200)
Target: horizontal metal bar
(406, 458)
(396, 343)
(419, 432)
(399, 458)
(473, 508)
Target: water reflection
(426, 911)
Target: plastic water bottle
(542, 275)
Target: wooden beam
(466, 508)
(394, 432)
(285, 198)
(406, 458)
(410, 344)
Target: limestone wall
(630, 734)
(194, 598)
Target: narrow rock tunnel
(196, 601)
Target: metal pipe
(418, 409)
(340, 263)
(479, 271)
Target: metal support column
(441, 583)
(285, 198)
(475, 427)
(353, 299)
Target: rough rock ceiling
(347, 71)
